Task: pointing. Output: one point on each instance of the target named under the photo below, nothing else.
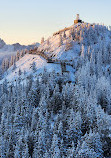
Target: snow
(52, 50)
(6, 50)
(24, 64)
(6, 53)
(90, 87)
(58, 52)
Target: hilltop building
(77, 19)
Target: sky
(27, 21)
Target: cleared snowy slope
(25, 65)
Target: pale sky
(27, 21)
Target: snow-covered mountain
(65, 47)
(14, 47)
(45, 114)
(7, 50)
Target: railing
(50, 60)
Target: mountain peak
(62, 50)
(2, 43)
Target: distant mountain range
(6, 50)
(14, 47)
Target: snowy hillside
(55, 100)
(66, 46)
(55, 47)
(25, 65)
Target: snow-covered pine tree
(33, 66)
(64, 34)
(68, 45)
(60, 40)
(55, 151)
(17, 55)
(14, 66)
(42, 40)
(12, 60)
(19, 72)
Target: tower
(77, 19)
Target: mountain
(7, 50)
(55, 100)
(65, 47)
(14, 47)
(2, 43)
